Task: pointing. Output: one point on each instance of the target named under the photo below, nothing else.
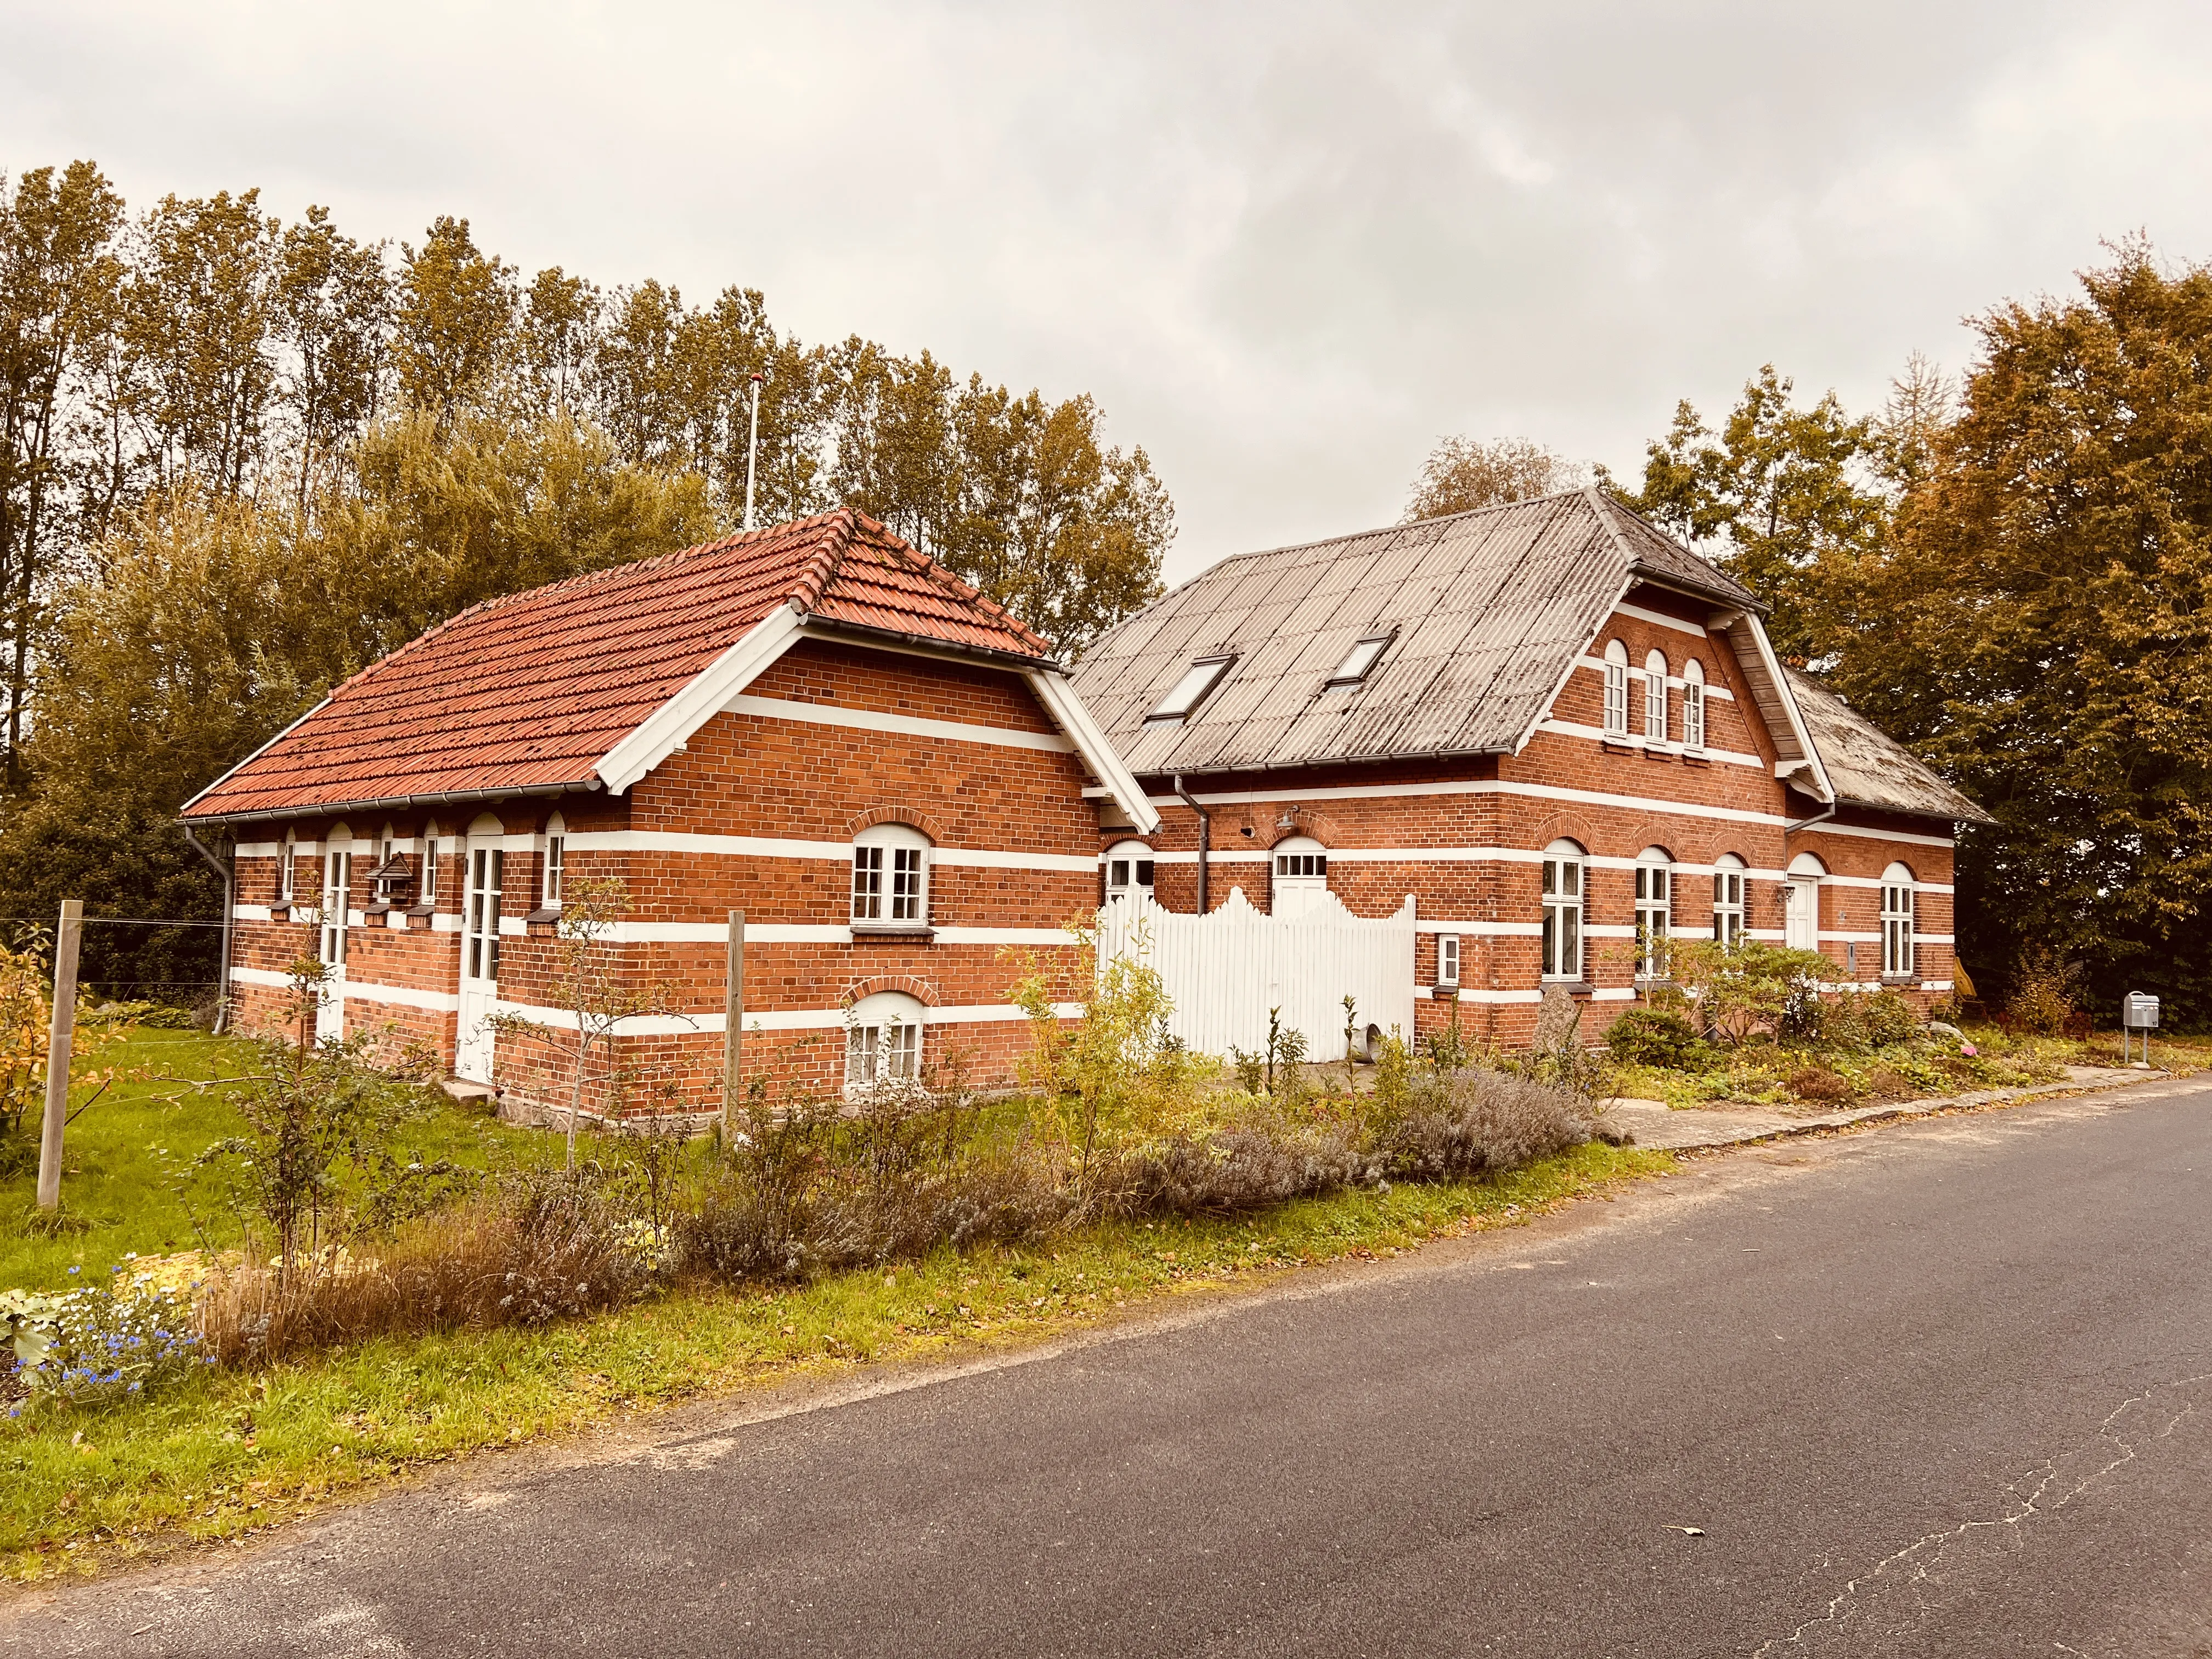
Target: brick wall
(746, 773)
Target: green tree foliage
(241, 460)
(2042, 629)
(1461, 475)
(1790, 501)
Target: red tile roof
(529, 691)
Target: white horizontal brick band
(911, 725)
(1597, 735)
(837, 852)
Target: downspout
(230, 874)
(1205, 836)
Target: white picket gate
(1224, 971)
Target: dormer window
(1360, 661)
(1197, 681)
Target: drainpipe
(230, 874)
(1204, 835)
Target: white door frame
(1801, 926)
(337, 897)
(482, 875)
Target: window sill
(1444, 993)
(280, 911)
(1893, 982)
(1664, 751)
(1696, 757)
(1573, 988)
(1619, 745)
(414, 911)
(868, 930)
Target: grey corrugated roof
(1867, 767)
(1491, 607)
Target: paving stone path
(1657, 1124)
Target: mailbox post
(2138, 1014)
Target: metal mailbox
(2140, 1012)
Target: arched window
(1563, 911)
(1129, 867)
(1800, 923)
(431, 848)
(1654, 697)
(1301, 874)
(1693, 704)
(554, 862)
(890, 877)
(882, 1039)
(1897, 922)
(1655, 911)
(1616, 689)
(1728, 899)
(285, 874)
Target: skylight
(1362, 659)
(1189, 691)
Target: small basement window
(1362, 659)
(1200, 679)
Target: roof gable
(1491, 610)
(533, 691)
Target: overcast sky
(1286, 247)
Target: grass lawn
(124, 1154)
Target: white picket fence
(1225, 970)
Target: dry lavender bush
(534, 1248)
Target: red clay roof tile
(530, 690)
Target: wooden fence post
(61, 1036)
(734, 1014)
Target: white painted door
(338, 893)
(472, 1047)
(1801, 922)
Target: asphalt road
(1931, 1390)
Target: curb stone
(1687, 1129)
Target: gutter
(388, 803)
(1205, 836)
(228, 872)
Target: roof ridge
(828, 556)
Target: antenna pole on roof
(752, 451)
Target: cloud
(1286, 247)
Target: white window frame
(1192, 687)
(426, 891)
(1616, 689)
(1360, 662)
(1729, 914)
(1655, 911)
(552, 866)
(288, 872)
(890, 879)
(883, 1040)
(1899, 923)
(1693, 706)
(1131, 868)
(1565, 892)
(1447, 961)
(1654, 697)
(337, 894)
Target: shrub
(2042, 1000)
(1889, 1019)
(1652, 1036)
(1749, 986)
(542, 1245)
(1238, 1170)
(99, 1345)
(1480, 1120)
(1820, 1084)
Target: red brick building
(1550, 724)
(813, 723)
